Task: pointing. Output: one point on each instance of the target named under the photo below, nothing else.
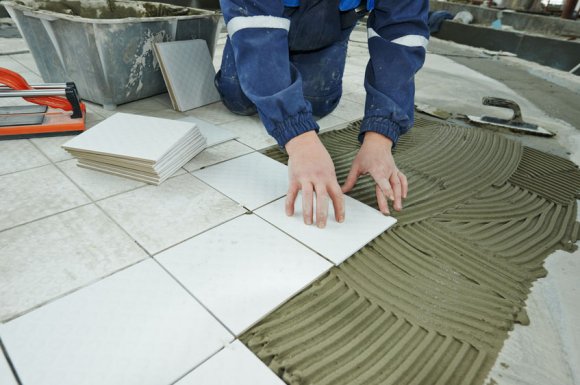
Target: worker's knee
(323, 105)
(233, 97)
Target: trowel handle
(505, 103)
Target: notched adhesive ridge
(430, 301)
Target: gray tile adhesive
(431, 300)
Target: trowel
(515, 123)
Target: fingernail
(321, 225)
(341, 219)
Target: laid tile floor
(251, 180)
(243, 269)
(98, 285)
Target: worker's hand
(311, 170)
(375, 158)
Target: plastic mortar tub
(106, 46)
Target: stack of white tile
(143, 148)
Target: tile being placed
(97, 185)
(251, 180)
(337, 241)
(243, 269)
(36, 193)
(160, 216)
(6, 376)
(52, 147)
(234, 365)
(53, 256)
(17, 155)
(251, 132)
(188, 73)
(213, 134)
(136, 327)
(217, 154)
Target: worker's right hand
(311, 171)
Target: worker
(284, 59)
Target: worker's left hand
(375, 158)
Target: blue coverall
(285, 60)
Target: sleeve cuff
(382, 126)
(290, 128)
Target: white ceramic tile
(163, 99)
(132, 136)
(135, 327)
(97, 110)
(251, 180)
(36, 193)
(356, 96)
(243, 269)
(160, 216)
(52, 147)
(97, 185)
(217, 154)
(215, 113)
(349, 110)
(213, 134)
(251, 132)
(27, 60)
(17, 155)
(141, 106)
(167, 113)
(234, 365)
(50, 257)
(188, 73)
(9, 63)
(337, 241)
(331, 122)
(6, 376)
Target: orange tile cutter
(56, 109)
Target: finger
(404, 184)
(307, 196)
(321, 206)
(337, 197)
(385, 185)
(396, 187)
(351, 179)
(291, 198)
(382, 201)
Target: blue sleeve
(258, 33)
(398, 36)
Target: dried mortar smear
(430, 301)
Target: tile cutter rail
(56, 108)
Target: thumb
(350, 179)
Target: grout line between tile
(123, 229)
(225, 160)
(45, 217)
(298, 240)
(10, 364)
(204, 231)
(195, 298)
(26, 169)
(32, 168)
(60, 296)
(198, 365)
